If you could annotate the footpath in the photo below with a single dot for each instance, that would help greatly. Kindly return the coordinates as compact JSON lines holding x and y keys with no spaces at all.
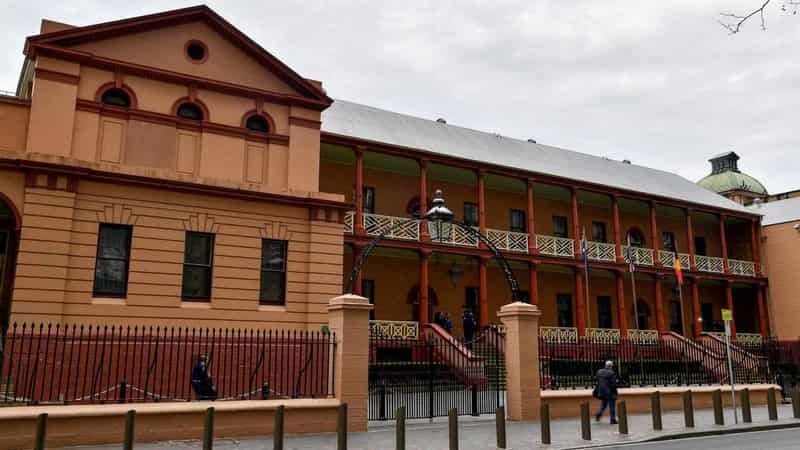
{"x":478,"y":433}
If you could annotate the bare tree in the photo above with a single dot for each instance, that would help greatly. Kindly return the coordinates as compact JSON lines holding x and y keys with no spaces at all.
{"x":733,"y":22}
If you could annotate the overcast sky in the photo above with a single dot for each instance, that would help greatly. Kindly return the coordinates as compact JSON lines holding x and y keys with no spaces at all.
{"x":662,"y":85}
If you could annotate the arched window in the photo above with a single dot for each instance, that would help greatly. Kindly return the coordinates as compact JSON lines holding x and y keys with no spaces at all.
{"x":257,"y":123}
{"x":116,"y":97}
{"x":190,"y":111}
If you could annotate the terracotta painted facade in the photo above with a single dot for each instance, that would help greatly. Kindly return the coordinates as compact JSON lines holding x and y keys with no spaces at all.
{"x":781,"y":247}
{"x":70,"y":160}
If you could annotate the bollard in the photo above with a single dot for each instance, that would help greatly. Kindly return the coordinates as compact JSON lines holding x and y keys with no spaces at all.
{"x":341,"y":428}
{"x":622,"y":412}
{"x":747,"y":414}
{"x":277,"y":432}
{"x":586,"y":426}
{"x":655,"y":408}
{"x":208,"y":430}
{"x":500,"y":424}
{"x":545,"y":423}
{"x":796,"y":402}
{"x":772,"y":404}
{"x":688,"y":410}
{"x":452,"y":420}
{"x":400,"y":428}
{"x":130,"y":418}
{"x":719,"y":418}
{"x":41,"y":431}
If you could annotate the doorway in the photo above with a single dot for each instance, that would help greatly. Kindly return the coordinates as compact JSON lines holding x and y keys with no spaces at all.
{"x":9,"y":229}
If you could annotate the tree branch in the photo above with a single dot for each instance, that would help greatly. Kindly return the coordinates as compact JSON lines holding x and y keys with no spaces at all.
{"x":736,"y":25}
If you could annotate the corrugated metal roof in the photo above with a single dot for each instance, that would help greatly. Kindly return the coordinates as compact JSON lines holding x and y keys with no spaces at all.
{"x":365,"y":122}
{"x":780,"y":211}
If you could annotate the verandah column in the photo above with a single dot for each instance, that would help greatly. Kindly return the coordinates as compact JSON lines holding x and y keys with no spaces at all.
{"x":690,"y":239}
{"x":762,"y":311}
{"x":358,"y":226}
{"x":533,"y":281}
{"x":483,"y":294}
{"x":654,"y":234}
{"x":423,"y":198}
{"x":576,"y":230}
{"x":622,"y":315}
{"x":729,"y":305}
{"x":481,"y":205}
{"x":697,"y":325}
{"x":531,"y":221}
{"x":724,"y":243}
{"x":617,"y":231}
{"x":659,"y":305}
{"x":580,"y":305}
{"x":754,"y":246}
{"x":424,"y":305}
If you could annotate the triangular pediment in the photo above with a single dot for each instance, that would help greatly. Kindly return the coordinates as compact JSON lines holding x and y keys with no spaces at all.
{"x":159,"y":41}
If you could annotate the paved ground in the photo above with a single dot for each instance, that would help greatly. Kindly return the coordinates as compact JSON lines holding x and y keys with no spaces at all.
{"x":479,"y":434}
{"x":774,"y":440}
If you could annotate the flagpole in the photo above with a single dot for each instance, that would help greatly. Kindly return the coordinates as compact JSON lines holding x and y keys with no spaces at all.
{"x":631,"y":263}
{"x":680,"y":293}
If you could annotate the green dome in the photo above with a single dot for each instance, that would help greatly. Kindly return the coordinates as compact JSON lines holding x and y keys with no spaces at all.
{"x":732,"y":181}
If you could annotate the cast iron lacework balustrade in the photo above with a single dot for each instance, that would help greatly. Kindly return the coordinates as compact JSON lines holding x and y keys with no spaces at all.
{"x":349,"y":218}
{"x":641,"y":256}
{"x":508,"y":240}
{"x":559,"y":335}
{"x":749,"y":339}
{"x":603,"y":335}
{"x":555,"y":246}
{"x":709,"y":264}
{"x":643,"y":337}
{"x":600,"y":251}
{"x":393,"y":329}
{"x":668,"y":259}
{"x":743,"y":268}
{"x":449,"y":233}
{"x":401,"y":228}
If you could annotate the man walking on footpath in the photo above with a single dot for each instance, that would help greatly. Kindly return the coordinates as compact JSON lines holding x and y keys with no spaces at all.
{"x":606,"y":392}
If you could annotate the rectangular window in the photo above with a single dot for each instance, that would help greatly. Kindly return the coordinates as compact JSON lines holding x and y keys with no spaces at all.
{"x":604,"y":312}
{"x":111,"y":264}
{"x":368,"y":292}
{"x":599,"y":232}
{"x":273,"y":272}
{"x":517,"y":221}
{"x":198,"y":259}
{"x":560,"y":226}
{"x":564,"y":305}
{"x":471,"y":214}
{"x":368,"y":199}
{"x":668,"y":239}
{"x":700,"y":246}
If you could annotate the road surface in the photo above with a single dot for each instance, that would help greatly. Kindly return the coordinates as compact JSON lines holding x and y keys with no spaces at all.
{"x":772,"y":440}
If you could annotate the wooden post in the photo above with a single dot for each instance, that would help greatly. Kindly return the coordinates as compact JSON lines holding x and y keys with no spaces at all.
{"x":481,"y":206}
{"x":128,"y":438}
{"x":452,"y":420}
{"x":747,"y":414}
{"x":772,"y":404}
{"x":688,"y":409}
{"x":719,"y":418}
{"x":41,"y":431}
{"x":724,"y":243}
{"x":277,"y":432}
{"x":500,"y":425}
{"x":533,"y":281}
{"x":358,"y":219}
{"x":531,"y":221}
{"x":208,"y":429}
{"x":622,"y":413}
{"x":655,"y":407}
{"x":545,"y":423}
{"x":423,"y":199}
{"x":341,"y":428}
{"x":400,"y":428}
{"x":576,"y":226}
{"x":586,"y":425}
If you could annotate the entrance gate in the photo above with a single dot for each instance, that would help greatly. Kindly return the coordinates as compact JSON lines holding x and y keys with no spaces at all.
{"x":433,"y":372}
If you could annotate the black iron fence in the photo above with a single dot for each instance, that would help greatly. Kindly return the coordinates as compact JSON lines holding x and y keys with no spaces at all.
{"x":434,"y":373}
{"x":97,"y":364}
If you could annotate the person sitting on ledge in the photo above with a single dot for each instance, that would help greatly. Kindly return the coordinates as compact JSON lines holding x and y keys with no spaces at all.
{"x":203,"y":387}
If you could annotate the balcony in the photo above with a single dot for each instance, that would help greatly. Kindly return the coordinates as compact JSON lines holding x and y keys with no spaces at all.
{"x":742,"y":268}
{"x":397,"y":227}
{"x":349,"y":218}
{"x":709,"y":264}
{"x":667,"y":259}
{"x":447,"y":233}
{"x":641,"y":256}
{"x":601,"y":251}
{"x":555,"y":246}
{"x":511,"y":241}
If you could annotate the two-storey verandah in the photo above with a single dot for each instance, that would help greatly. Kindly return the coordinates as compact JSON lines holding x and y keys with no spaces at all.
{"x":537,"y":221}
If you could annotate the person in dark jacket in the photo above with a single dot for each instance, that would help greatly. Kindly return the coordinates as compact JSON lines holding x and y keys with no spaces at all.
{"x":469,"y":327}
{"x":606,"y":391}
{"x":202,"y":384}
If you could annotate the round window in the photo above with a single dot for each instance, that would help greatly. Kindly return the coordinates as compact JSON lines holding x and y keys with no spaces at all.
{"x":196,"y":51}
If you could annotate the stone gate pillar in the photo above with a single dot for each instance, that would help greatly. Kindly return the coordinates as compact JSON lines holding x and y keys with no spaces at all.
{"x":522,"y":360}
{"x":348,"y":317}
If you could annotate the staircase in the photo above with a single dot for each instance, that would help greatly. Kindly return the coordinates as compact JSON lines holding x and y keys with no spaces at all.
{"x":747,"y":367}
{"x":709,"y":359}
{"x":490,"y":348}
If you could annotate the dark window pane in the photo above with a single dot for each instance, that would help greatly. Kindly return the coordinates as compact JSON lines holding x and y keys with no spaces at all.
{"x":604,"y":319}
{"x":257,"y":123}
{"x":599,"y":232}
{"x":273,"y":288}
{"x":368,"y":200}
{"x":116,"y":97}
{"x":196,"y":282}
{"x":518,"y":220}
{"x":3,"y":242}
{"x":111,"y":264}
{"x":113,"y":242}
{"x":273,"y":271}
{"x":564,"y":305}
{"x":668,"y":239}
{"x":198,"y":249}
{"x":190,"y":111}
{"x":471,"y":214}
{"x":560,"y":226}
{"x":700,"y":246}
{"x":110,"y":276}
{"x":273,"y":255}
